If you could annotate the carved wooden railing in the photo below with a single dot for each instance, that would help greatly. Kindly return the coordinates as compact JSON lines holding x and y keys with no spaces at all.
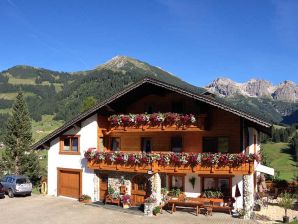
{"x":199,"y":124}
{"x":241,"y":168}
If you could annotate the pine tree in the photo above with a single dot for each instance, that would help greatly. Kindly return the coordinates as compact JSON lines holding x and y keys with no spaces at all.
{"x":18,"y":157}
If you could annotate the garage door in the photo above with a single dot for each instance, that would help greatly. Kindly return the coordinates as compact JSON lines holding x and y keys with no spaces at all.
{"x":69,"y":182}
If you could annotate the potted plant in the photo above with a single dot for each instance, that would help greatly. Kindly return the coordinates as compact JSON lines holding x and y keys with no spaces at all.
{"x":126,"y":200}
{"x":84,"y":198}
{"x":257,"y":206}
{"x":156,"y":210}
{"x":149,"y":204}
{"x":286,"y":202}
{"x":174,"y":193}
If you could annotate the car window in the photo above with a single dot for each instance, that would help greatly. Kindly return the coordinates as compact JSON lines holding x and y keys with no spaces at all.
{"x":22,"y":181}
{"x":11,"y":180}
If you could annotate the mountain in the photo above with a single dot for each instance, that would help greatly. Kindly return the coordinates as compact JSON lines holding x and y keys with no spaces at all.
{"x":62,"y":94}
{"x":109,"y":78}
{"x":279,"y":103}
{"x":286,"y":91}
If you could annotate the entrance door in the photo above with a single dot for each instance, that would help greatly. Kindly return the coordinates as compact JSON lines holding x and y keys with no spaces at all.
{"x":103,"y":187}
{"x":139,"y":189}
{"x":69,"y":182}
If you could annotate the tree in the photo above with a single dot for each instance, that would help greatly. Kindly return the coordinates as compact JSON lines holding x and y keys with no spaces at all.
{"x":88,"y":103}
{"x":18,"y":157}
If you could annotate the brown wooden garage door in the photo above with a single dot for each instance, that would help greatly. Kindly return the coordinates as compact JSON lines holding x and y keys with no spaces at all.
{"x":69,"y":182}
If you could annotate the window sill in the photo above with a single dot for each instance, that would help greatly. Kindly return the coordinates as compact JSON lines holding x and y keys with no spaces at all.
{"x":69,"y":153}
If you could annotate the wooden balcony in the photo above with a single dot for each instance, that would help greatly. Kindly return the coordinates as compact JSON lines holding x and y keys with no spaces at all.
{"x":154,"y":167}
{"x":199,"y":125}
{"x":246,"y":168}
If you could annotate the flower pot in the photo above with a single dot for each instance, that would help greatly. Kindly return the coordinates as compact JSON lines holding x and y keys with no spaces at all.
{"x":148,"y":209}
{"x":286,"y":219}
{"x":125,"y":206}
{"x":257,"y":207}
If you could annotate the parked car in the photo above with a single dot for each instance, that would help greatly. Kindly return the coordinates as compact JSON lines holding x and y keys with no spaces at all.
{"x":16,"y":185}
{"x":2,"y":192}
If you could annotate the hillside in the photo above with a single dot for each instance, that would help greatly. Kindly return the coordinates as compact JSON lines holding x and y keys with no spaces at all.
{"x":60,"y":95}
{"x":110,"y":78}
{"x":281,"y":159}
{"x":41,"y":88}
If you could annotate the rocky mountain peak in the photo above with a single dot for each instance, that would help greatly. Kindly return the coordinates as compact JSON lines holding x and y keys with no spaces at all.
{"x":285,"y":91}
{"x":223,"y":86}
{"x":257,"y":87}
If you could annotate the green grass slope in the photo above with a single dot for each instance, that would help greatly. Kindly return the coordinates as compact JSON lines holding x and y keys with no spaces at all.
{"x":281,"y":159}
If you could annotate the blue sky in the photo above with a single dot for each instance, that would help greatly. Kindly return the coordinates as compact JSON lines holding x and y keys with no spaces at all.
{"x":195,"y":40}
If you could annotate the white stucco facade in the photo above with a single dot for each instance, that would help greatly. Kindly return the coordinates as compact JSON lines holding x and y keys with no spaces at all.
{"x":88,"y":138}
{"x":88,"y":132}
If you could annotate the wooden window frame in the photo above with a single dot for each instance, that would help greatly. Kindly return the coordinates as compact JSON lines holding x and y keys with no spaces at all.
{"x":170,"y":177}
{"x":216,"y":179}
{"x":110,"y":143}
{"x":141,"y":142}
{"x":176,"y":136}
{"x":178,"y":102}
{"x":217,"y":137}
{"x":70,"y":152}
{"x":59,"y":169}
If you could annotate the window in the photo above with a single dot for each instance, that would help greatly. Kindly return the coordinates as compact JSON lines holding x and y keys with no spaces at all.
{"x":115,"y":144}
{"x":70,"y":145}
{"x":176,"y":182}
{"x":177,"y":107}
{"x":146,"y":145}
{"x":222,"y":184}
{"x":216,"y":144}
{"x":176,"y":144}
{"x":150,"y":108}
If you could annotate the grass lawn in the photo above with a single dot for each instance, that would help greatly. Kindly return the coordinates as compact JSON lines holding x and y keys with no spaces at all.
{"x":281,"y":159}
{"x":19,"y":81}
{"x":12,"y":96}
{"x":42,"y":128}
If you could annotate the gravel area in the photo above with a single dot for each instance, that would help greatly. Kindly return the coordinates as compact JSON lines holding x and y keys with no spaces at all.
{"x":49,"y":210}
{"x":273,"y":213}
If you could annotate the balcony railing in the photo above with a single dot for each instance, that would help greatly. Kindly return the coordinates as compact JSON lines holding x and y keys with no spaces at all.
{"x":180,"y":163}
{"x":157,"y":122}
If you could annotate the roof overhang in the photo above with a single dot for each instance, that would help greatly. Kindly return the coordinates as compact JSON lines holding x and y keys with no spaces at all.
{"x":206,"y":98}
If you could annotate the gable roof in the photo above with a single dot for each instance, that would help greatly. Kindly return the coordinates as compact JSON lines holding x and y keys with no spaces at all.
{"x":203,"y":96}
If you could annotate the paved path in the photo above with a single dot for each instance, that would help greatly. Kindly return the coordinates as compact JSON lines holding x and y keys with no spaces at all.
{"x":52,"y":210}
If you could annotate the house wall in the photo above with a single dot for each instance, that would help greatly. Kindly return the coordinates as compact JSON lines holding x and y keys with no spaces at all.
{"x":221,"y":124}
{"x":191,"y":191}
{"x":88,"y":138}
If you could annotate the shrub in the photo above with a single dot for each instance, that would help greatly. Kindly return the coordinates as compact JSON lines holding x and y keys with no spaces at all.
{"x":156,"y":210}
{"x":286,"y":201}
{"x":84,"y":197}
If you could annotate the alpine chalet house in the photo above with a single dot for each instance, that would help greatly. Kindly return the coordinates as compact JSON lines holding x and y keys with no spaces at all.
{"x":155,"y":135}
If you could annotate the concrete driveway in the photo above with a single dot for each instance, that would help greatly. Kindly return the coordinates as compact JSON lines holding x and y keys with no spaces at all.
{"x":52,"y":210}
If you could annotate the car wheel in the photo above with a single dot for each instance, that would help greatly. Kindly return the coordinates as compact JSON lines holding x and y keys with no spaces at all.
{"x":10,"y":193}
{"x":29,"y":194}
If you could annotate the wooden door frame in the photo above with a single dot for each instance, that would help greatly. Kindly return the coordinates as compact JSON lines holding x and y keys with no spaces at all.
{"x":59,"y":169}
{"x":133,"y":183}
{"x":100,"y":179}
